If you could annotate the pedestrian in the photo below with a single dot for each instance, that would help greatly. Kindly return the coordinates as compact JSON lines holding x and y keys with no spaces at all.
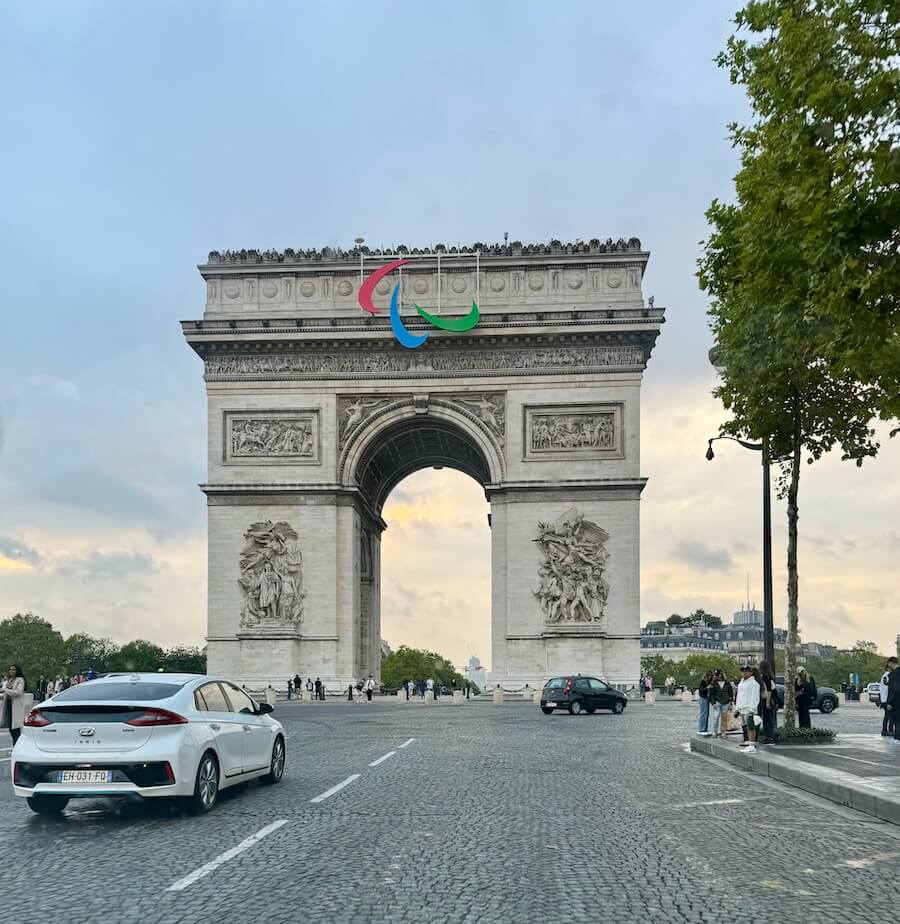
{"x":309,"y":686}
{"x":703,"y":699}
{"x":747,"y":705}
{"x":290,"y":688}
{"x":358,"y":691}
{"x":298,"y":685}
{"x":406,"y":687}
{"x":318,"y":688}
{"x":12,"y":707}
{"x":893,"y":702}
{"x":51,"y":689}
{"x":769,"y":702}
{"x":720,"y":697}
{"x":370,"y":688}
{"x":887,"y":724}
{"x":91,"y":674}
{"x":806,"y":694}
{"x":429,"y":686}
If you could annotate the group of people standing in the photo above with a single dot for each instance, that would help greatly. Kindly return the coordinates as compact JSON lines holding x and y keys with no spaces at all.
{"x":419,"y":688}
{"x":752,"y":703}
{"x":889,"y":696}
{"x":315,"y":687}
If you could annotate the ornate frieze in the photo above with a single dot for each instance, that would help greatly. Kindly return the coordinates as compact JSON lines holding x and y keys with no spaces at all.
{"x":271,"y":580}
{"x":572,"y":586}
{"x":446,"y":362}
{"x":271,"y":437}
{"x":571,"y":431}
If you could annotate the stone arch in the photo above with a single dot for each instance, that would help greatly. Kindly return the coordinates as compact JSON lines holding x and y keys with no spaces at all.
{"x":408,"y":435}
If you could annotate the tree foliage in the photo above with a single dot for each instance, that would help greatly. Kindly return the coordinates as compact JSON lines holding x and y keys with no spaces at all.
{"x":33,"y":643}
{"x":417,"y":664}
{"x":687,"y":673}
{"x":802,"y":268}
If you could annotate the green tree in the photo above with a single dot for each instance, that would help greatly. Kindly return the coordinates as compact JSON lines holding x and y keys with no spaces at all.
{"x":183,"y":660}
{"x":417,"y":664}
{"x":768,"y":253}
{"x":33,"y":644}
{"x":675,"y":620}
{"x":83,"y":651}
{"x":138,"y":655}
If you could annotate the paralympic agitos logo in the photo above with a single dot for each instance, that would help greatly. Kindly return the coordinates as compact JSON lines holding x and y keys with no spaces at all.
{"x":404,"y":337}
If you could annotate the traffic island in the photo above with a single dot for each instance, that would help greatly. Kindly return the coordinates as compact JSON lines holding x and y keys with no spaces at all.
{"x":859,"y":771}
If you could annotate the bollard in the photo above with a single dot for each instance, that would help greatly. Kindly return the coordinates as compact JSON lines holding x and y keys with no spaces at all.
{"x":271,"y":697}
{"x":498,"y":696}
{"x":429,"y":696}
{"x":686,"y":697}
{"x":842,"y":698}
{"x":650,"y":697}
{"x":401,"y":696}
{"x":307,"y":696}
{"x":457,"y":698}
{"x":536,"y":697}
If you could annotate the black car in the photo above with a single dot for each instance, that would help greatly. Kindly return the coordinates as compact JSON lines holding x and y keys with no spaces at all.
{"x":581,"y":694}
{"x":826,"y":701}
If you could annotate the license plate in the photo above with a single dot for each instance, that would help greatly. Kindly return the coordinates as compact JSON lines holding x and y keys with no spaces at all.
{"x":84,"y":776}
{"x":548,"y":705}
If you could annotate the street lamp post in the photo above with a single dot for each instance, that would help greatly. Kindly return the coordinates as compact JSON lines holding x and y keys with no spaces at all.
{"x":763,"y":447}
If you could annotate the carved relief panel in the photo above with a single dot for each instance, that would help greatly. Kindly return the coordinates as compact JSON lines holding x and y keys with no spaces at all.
{"x":573,"y":431}
{"x":271,"y":437}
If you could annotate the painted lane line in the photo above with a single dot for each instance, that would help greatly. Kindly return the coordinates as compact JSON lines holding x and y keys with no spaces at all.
{"x":207,"y":868}
{"x":859,"y":760}
{"x":407,"y":743}
{"x":710,"y":802}
{"x":382,"y":759}
{"x":330,"y":792}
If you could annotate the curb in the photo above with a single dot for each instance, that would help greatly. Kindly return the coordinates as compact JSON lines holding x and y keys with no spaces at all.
{"x":864,"y":795}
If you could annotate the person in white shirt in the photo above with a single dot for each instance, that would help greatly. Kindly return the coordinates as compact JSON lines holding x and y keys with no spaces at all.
{"x":370,"y":688}
{"x":747,"y":705}
{"x":887,"y":724}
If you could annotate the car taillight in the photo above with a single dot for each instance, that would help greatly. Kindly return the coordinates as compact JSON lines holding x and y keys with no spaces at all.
{"x":16,"y":774}
{"x":169,"y":775}
{"x":154,"y":717}
{"x":37,"y":719}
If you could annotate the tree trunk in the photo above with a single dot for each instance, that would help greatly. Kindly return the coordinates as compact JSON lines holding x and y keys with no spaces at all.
{"x":790,"y":660}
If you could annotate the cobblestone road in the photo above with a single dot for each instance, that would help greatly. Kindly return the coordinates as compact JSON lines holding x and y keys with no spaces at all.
{"x":492,"y":814}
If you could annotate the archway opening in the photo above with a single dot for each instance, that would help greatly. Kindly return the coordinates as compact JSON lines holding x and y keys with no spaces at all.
{"x":436,"y":567}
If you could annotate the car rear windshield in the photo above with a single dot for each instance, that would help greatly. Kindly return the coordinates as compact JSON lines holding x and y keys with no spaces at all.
{"x":556,"y":682}
{"x":117,"y":691}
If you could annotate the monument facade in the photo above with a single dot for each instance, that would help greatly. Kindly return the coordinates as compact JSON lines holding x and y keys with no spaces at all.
{"x":316,"y":412}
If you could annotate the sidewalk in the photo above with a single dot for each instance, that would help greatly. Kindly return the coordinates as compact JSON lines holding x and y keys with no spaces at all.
{"x":862,"y":771}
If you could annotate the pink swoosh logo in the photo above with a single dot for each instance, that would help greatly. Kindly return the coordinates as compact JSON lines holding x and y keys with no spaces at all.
{"x":367,"y":289}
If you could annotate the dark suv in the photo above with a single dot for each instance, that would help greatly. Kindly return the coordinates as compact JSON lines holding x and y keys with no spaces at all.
{"x":581,"y":694}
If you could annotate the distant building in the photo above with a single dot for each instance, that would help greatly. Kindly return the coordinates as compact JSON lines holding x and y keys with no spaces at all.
{"x":817,"y":650}
{"x":749,"y":616}
{"x":476,"y":672}
{"x":678,"y":642}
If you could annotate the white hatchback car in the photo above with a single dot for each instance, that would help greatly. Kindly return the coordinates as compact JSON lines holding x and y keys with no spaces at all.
{"x":150,"y":735}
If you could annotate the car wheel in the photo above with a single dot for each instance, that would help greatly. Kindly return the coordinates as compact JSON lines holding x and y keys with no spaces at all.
{"x":276,"y":767}
{"x":575,"y":708}
{"x":206,"y":787}
{"x":618,"y":707}
{"x":47,"y":805}
{"x":546,"y":711}
{"x":827,"y":705}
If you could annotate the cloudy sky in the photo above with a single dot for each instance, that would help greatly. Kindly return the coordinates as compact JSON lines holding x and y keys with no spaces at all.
{"x":140,"y":136}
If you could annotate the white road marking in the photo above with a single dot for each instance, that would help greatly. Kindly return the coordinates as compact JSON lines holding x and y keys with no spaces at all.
{"x":330,"y":792}
{"x":207,"y":868}
{"x":711,"y":802}
{"x":859,"y":760}
{"x":382,"y":759}
{"x":407,"y":743}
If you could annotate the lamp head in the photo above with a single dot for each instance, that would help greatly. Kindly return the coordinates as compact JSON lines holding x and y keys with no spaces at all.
{"x":710,"y":455}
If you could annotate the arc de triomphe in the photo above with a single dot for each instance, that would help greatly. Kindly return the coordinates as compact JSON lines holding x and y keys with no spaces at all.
{"x":316,"y":412}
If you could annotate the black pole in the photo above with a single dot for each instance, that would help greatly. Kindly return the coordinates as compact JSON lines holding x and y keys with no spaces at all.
{"x":769,"y":627}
